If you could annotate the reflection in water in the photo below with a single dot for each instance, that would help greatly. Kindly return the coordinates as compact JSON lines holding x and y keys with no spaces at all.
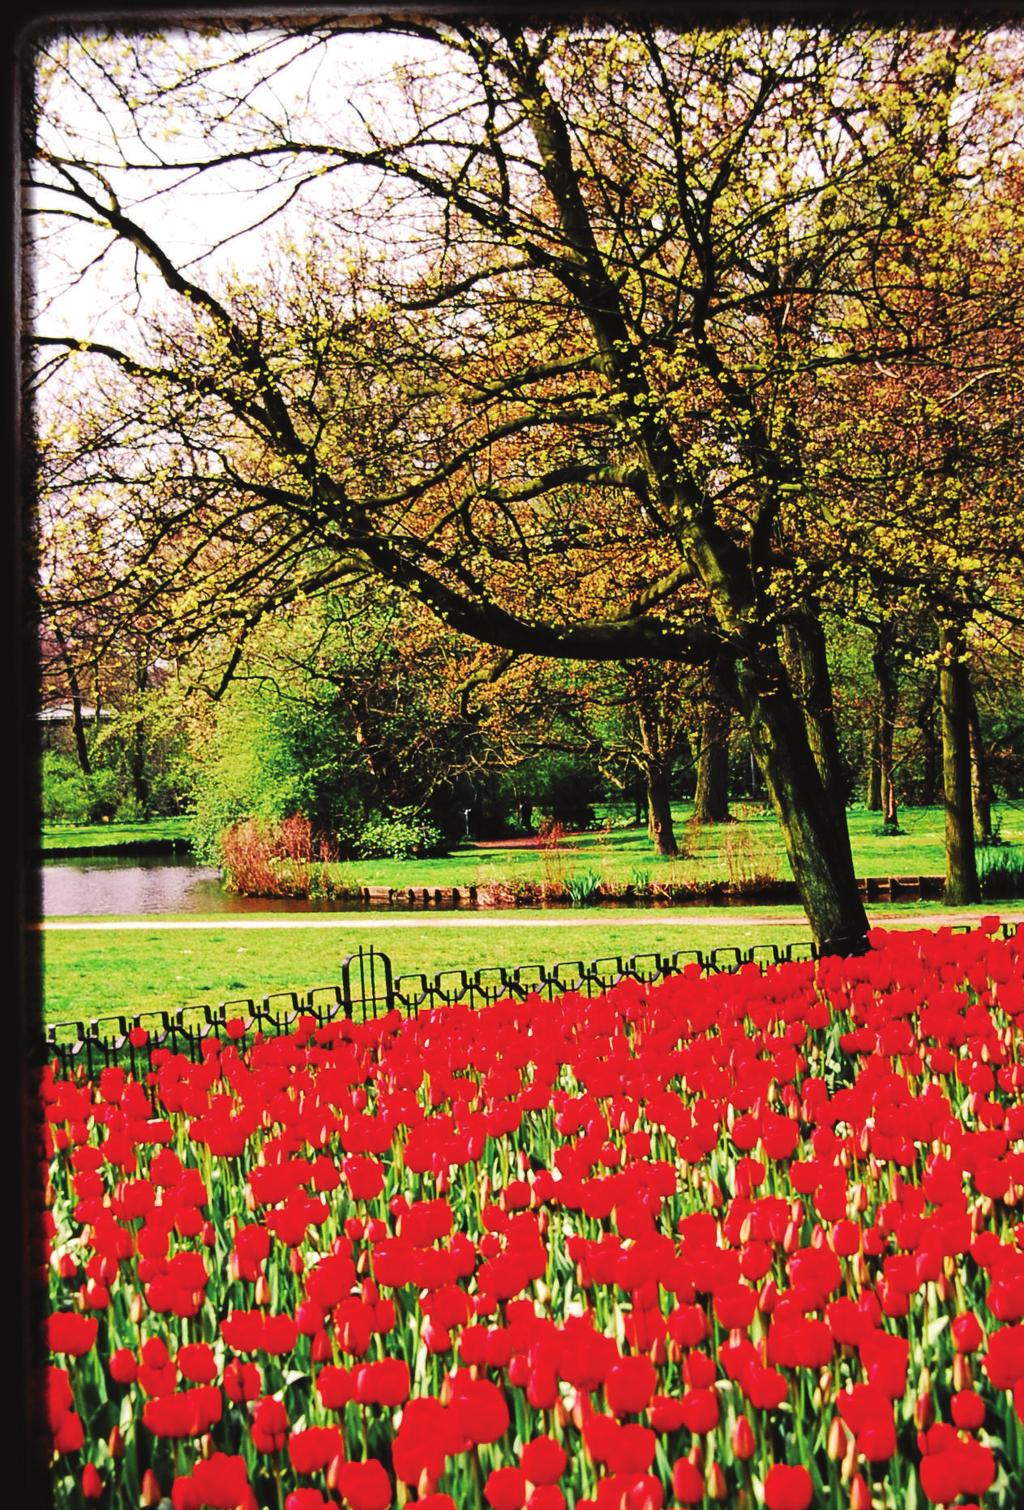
{"x":106,"y":884}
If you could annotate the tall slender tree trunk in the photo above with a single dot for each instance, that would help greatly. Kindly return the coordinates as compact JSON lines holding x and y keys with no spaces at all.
{"x":981,"y":791}
{"x":818,"y":847}
{"x":954,"y":710}
{"x":77,"y":716}
{"x":926,"y":723}
{"x":138,"y":765}
{"x":874,"y":792}
{"x":655,"y":767}
{"x":888,"y":687}
{"x":711,"y":796}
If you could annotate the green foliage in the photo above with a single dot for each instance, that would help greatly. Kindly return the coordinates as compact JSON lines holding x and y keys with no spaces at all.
{"x":403,"y":834}
{"x":562,"y":787}
{"x":269,"y":758}
{"x":1001,"y":874}
{"x":69,"y":796}
{"x":583,"y":888}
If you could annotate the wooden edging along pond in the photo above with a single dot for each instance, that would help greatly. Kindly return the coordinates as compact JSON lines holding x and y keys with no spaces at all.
{"x":873,"y":888}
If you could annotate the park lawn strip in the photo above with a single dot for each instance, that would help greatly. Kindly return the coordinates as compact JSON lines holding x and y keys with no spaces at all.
{"x":751,"y":846}
{"x":115,"y":836}
{"x":124,"y":971}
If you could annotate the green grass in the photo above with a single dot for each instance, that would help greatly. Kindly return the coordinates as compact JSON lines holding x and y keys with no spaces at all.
{"x":58,"y":836}
{"x":120,"y":970}
{"x":719,"y":853}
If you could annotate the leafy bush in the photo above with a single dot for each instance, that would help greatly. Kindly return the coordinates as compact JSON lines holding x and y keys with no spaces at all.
{"x":403,"y":834}
{"x":69,"y":796}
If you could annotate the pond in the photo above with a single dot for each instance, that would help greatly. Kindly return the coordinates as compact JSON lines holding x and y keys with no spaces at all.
{"x":100,"y":885}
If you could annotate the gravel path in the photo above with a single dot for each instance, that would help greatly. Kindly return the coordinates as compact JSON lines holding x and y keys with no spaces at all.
{"x":656,"y":919}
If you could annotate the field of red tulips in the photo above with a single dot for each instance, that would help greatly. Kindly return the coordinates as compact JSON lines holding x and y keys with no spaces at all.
{"x":747,"y":1239}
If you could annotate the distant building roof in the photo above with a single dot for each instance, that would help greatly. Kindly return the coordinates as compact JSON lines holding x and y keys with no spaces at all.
{"x":63,"y":713}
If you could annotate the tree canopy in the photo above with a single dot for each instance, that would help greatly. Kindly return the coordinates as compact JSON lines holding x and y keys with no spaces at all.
{"x":602,"y":343}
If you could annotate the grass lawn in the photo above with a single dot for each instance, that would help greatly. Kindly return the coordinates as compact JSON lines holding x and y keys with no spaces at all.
{"x":128,"y":970}
{"x":725,"y":852}
{"x":60,"y":836}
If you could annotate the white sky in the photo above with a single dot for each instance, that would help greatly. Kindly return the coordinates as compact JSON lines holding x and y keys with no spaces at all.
{"x":322,"y":89}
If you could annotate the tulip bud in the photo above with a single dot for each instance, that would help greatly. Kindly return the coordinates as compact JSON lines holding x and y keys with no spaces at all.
{"x":943,"y":1289}
{"x":860,"y":1494}
{"x":791,"y":1239}
{"x":963,"y":1376}
{"x":296,"y":1262}
{"x":334,"y":1468}
{"x":717,"y":1488}
{"x":861,"y":1273}
{"x":837,"y":1441}
{"x":924,"y":1410}
{"x":849,"y":1463}
{"x":92,"y":1484}
{"x":262,"y":1292}
{"x":425,"y":1484}
{"x":151,"y":1493}
{"x":744,"y":1443}
{"x":696,"y":1456}
{"x":115,"y":1443}
{"x":136,"y":1309}
{"x":206,"y":1447}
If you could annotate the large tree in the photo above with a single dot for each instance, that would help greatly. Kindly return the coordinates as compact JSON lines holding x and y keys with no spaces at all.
{"x":548,"y":357}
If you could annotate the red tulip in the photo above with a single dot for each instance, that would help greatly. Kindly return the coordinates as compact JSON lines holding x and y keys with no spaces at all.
{"x":788,"y":1488}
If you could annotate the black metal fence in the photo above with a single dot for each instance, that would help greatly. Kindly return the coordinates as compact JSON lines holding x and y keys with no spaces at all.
{"x":369,"y":988}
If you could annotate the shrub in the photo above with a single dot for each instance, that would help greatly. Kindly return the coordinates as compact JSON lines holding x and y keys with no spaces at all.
{"x":285,"y":859}
{"x":402,"y":834}
{"x":69,"y":796}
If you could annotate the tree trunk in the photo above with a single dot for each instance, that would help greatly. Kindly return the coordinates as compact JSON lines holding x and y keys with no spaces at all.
{"x":874,"y":794}
{"x":930,"y":774}
{"x":806,"y":642}
{"x":818,"y":847}
{"x":888,"y":687}
{"x":77,"y":720}
{"x":954,"y":705}
{"x":659,"y":810}
{"x":981,"y":791}
{"x":711,"y":796}
{"x":656,"y":766}
{"x":138,"y":771}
